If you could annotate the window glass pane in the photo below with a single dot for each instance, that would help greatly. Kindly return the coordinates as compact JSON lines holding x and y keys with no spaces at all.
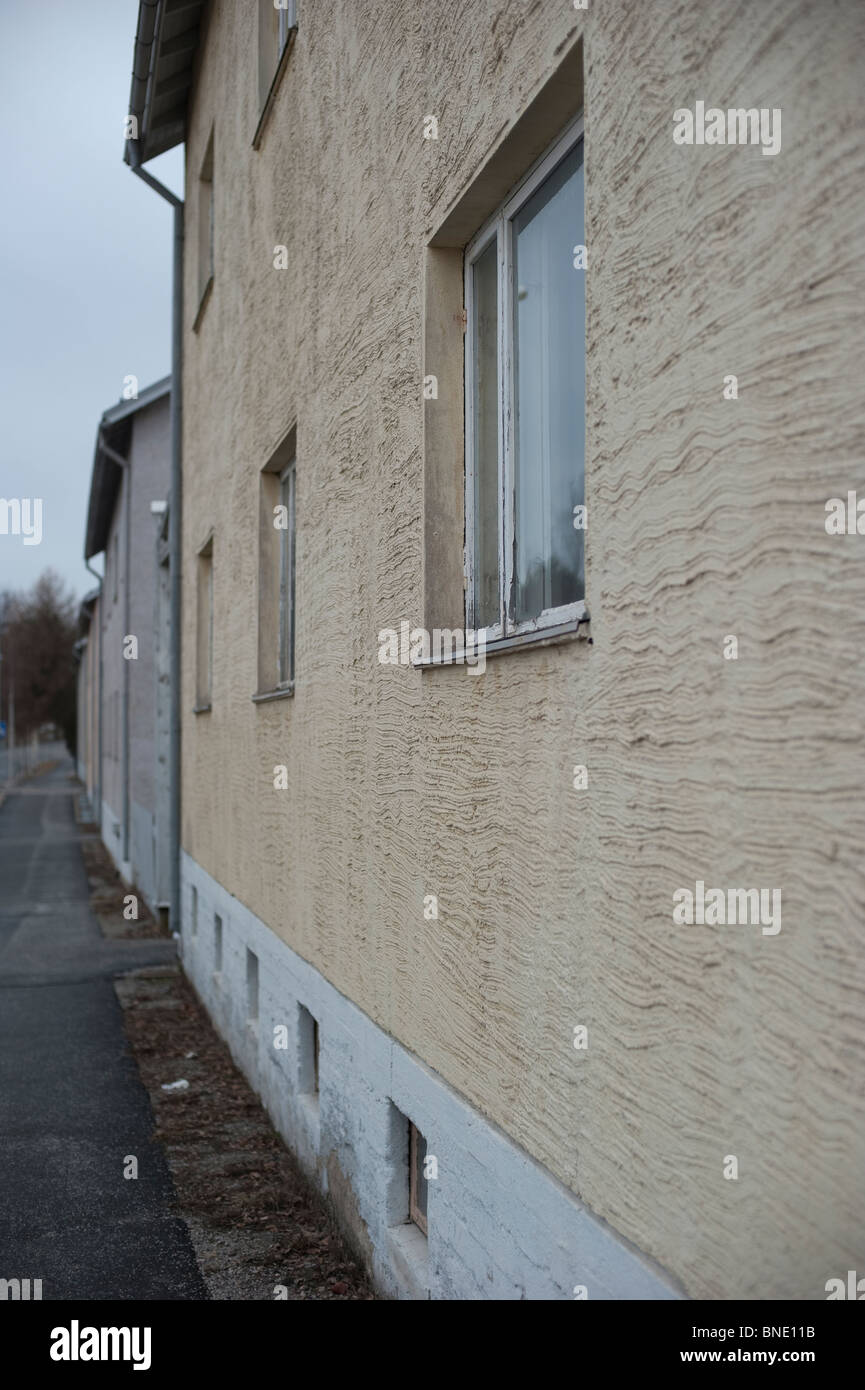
{"x":210,"y":627}
{"x":485,"y":447}
{"x":286,"y":580}
{"x":549,"y":390}
{"x":420,"y":1182}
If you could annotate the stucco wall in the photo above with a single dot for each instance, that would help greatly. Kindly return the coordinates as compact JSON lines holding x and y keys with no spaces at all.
{"x":706,"y":519}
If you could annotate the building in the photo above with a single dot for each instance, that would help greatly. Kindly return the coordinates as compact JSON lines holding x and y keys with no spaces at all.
{"x":87,"y":703}
{"x":125,"y":670}
{"x":471,"y":341}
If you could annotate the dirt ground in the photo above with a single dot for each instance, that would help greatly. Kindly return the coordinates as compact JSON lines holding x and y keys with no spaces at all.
{"x":259,"y":1229}
{"x":108,"y":893}
{"x":255,"y":1221}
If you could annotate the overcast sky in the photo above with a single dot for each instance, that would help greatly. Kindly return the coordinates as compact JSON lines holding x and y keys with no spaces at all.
{"x":85,"y":264}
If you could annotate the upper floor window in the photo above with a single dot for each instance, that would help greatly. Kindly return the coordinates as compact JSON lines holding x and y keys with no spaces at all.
{"x":277,"y":20}
{"x":276,"y":570}
{"x":205,"y":228}
{"x":285,"y":522}
{"x":204,"y":628}
{"x":525,"y":403}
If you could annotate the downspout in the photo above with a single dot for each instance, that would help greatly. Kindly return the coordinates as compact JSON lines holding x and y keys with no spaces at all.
{"x":98,"y":807}
{"x":174,"y":524}
{"x":127,"y":623}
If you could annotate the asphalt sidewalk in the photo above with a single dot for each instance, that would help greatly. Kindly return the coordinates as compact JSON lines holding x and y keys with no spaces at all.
{"x":73,"y":1109}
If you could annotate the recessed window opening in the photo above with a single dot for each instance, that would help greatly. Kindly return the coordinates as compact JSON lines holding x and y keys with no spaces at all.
{"x":308,"y":1052}
{"x":418,"y":1181}
{"x":251,"y":986}
{"x":525,"y":403}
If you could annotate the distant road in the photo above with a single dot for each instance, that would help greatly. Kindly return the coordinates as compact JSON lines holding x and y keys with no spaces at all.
{"x":29,"y":758}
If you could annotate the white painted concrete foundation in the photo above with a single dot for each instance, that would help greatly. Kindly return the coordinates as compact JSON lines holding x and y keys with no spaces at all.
{"x":500,"y":1226}
{"x":112,"y":837}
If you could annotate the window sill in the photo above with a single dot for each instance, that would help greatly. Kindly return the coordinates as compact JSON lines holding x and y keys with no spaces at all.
{"x":545,"y":637}
{"x":202,"y":709}
{"x":265,"y":697}
{"x":310,"y":1113}
{"x":409,"y":1250}
{"x":202,"y":304}
{"x":274,"y":87}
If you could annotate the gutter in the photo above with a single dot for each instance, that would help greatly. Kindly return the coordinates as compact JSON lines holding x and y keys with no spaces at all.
{"x":133,"y":157}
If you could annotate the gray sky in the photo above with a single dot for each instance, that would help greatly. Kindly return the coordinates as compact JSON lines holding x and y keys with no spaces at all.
{"x":85,"y":264}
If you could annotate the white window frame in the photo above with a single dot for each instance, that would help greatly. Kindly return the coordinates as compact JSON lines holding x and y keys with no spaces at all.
{"x":287,"y":22}
{"x":285,"y":624}
{"x":500,"y":227}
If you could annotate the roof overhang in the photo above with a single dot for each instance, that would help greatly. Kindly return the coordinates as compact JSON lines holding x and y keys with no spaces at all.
{"x":166,"y":42}
{"x":115,"y":431}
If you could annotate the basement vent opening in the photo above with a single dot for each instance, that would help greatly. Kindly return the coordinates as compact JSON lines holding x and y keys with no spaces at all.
{"x":417,"y":1158}
{"x":251,"y":986}
{"x":308,"y":1052}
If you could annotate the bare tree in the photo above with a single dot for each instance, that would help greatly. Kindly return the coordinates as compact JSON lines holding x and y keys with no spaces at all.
{"x":38,"y":631}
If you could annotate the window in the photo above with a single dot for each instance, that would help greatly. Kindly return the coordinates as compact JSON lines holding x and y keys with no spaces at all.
{"x":205,"y":225}
{"x":277,"y":20}
{"x":204,"y":651}
{"x":525,"y":404}
{"x":307,"y":1053}
{"x":285,"y":531}
{"x":417,"y":1202}
{"x":251,"y":986}
{"x":217,"y":943}
{"x":276,"y":599}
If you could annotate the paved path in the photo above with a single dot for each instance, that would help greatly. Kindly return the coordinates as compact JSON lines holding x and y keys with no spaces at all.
{"x":72,"y":1106}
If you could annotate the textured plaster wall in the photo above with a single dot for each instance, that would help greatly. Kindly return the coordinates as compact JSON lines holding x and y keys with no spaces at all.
{"x":706,"y":519}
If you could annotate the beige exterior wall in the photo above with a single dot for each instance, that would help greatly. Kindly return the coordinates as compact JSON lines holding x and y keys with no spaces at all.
{"x":706,"y":518}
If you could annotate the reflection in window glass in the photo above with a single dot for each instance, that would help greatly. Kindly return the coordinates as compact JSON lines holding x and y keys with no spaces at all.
{"x":486,"y":437}
{"x":549,"y":390}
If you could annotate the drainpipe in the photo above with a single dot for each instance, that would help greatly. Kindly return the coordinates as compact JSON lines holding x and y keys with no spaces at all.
{"x":127,"y":622}
{"x":174,"y":522}
{"x":99,"y":699}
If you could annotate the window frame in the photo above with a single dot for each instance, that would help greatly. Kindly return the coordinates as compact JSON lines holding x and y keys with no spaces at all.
{"x":287,"y":22}
{"x":499,"y":228}
{"x":204,"y":599}
{"x":286,"y":615}
{"x":206,"y":229}
{"x":275,"y":41}
{"x":416,"y":1216}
